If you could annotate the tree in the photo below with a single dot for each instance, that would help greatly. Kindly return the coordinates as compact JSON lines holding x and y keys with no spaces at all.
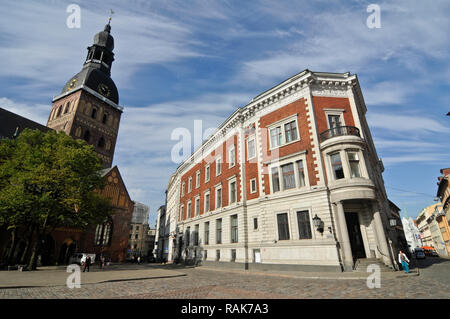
{"x":49,"y":180}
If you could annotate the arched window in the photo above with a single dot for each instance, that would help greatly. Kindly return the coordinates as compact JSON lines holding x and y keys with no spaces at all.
{"x":87,"y":136}
{"x":105,"y":118}
{"x":67,"y":108}
{"x":103,"y":233}
{"x":101,"y":142}
{"x":94,"y":113}
{"x":59,"y":111}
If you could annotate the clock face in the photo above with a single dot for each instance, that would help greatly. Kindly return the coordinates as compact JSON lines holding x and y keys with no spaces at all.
{"x":72,"y":83}
{"x":104,"y":89}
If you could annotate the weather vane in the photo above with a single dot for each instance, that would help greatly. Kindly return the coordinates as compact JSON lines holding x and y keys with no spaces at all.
{"x":111,"y":12}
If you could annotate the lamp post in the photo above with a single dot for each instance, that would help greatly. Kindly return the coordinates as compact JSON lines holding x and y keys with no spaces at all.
{"x":318,"y":223}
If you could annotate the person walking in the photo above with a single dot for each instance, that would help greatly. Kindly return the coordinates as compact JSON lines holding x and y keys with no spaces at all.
{"x":404,"y":261}
{"x":87,"y":263}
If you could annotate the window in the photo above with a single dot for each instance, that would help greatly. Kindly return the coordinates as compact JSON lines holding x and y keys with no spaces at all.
{"x":218,"y":166}
{"x":255,"y":223}
{"x":181,"y":212}
{"x":197,"y":206}
{"x":105,"y":118}
{"x":353,"y":160}
{"x":207,"y":202}
{"x":94,"y":113}
{"x":301,"y":173}
{"x":197,"y":179}
{"x":290,"y":131}
{"x":253,"y":186}
{"x":336,"y":164}
{"x":218,"y":197}
{"x":188,"y":236}
{"x":137,"y":227}
{"x":232,"y":156}
{"x":275,"y":137}
{"x":233,"y":255}
{"x":283,"y":226}
{"x":232,"y":192}
{"x":304,"y":225}
{"x":103,"y":233}
{"x":188,"y":213}
{"x":190,"y":184}
{"x":288,"y":176}
{"x":196,"y":235}
{"x":136,"y":236}
{"x":334,"y":120}
{"x":87,"y":136}
{"x":217,"y":254}
{"x":59,"y":111}
{"x":275,"y":179}
{"x":207,"y":173}
{"x":219,"y":231}
{"x":182,"y":189}
{"x":101,"y":142}
{"x":66,"y":110}
{"x":251,"y":149}
{"x":234,"y":229}
{"x":206,"y":239}
{"x":283,"y":133}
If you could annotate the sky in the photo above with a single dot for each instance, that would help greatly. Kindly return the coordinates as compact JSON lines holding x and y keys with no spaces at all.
{"x":181,"y":61}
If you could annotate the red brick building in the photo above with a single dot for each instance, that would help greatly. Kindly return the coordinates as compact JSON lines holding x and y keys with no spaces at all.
{"x":291,"y":180}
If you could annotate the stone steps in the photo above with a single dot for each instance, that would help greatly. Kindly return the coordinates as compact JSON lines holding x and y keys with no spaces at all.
{"x":362,"y":265}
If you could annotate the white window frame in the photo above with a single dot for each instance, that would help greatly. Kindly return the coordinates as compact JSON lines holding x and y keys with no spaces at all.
{"x":311,"y":223}
{"x":190,"y":184}
{"x":232,"y":159}
{"x":292,"y":160}
{"x":281,"y":124}
{"x":215,"y":197}
{"x":339,"y":112}
{"x":197,"y":207}
{"x":253,"y":191}
{"x":181,"y":213}
{"x":230,"y":181}
{"x":207,"y":208}
{"x":188,"y":209}
{"x":183,"y":189}
{"x":251,"y":138}
{"x":197,"y":179}
{"x":207,"y":175}
{"x":219,"y":161}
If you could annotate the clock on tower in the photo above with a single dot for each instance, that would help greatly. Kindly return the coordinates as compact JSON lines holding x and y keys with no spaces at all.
{"x":88,"y":105}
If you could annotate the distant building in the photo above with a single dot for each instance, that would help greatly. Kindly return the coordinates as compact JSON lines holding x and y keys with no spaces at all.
{"x":139,"y":241}
{"x":443,"y":217}
{"x":430,"y":230}
{"x":412,"y":233}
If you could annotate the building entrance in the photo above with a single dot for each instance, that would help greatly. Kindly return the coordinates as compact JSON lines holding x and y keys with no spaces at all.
{"x":354,"y":233}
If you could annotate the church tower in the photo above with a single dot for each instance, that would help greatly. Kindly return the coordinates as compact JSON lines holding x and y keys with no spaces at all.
{"x":88,"y":105}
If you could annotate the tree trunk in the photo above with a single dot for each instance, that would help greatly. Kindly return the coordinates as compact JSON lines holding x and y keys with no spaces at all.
{"x":23,"y":258}
{"x":12,"y":248}
{"x":33,"y":258}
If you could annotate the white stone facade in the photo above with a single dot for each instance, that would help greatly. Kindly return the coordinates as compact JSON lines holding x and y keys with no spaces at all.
{"x":291,"y":122}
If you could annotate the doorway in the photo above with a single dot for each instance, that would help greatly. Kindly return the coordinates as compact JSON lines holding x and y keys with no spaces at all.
{"x":354,"y":233}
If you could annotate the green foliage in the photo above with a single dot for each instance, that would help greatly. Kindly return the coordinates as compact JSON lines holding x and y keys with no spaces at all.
{"x":48,"y":180}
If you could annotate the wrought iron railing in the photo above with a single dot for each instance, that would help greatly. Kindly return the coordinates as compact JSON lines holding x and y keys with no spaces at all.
{"x":339,"y":131}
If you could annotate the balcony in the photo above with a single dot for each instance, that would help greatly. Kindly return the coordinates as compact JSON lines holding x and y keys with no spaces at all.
{"x":339,"y":131}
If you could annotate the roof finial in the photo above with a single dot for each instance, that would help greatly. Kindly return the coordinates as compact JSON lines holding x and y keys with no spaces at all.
{"x":108,"y":26}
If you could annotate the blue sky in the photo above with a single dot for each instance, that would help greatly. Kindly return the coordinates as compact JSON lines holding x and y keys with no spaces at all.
{"x":180,"y":61}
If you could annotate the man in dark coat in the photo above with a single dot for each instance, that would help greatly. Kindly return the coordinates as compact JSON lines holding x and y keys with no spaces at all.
{"x":87,"y":263}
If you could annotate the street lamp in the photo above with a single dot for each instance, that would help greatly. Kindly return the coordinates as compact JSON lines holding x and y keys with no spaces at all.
{"x":318,"y":223}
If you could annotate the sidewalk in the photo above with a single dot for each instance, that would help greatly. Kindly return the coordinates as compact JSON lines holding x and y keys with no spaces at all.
{"x":319,"y":275}
{"x":57,"y":276}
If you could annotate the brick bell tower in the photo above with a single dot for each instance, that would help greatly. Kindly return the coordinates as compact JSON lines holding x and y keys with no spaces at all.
{"x":88,"y":105}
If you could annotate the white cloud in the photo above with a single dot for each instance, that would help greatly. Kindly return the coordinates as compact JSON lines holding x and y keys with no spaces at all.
{"x":405,"y":124}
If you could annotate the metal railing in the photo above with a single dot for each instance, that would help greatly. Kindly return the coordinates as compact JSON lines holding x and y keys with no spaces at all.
{"x":339,"y":131}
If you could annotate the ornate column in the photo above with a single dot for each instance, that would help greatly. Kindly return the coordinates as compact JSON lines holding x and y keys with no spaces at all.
{"x":381,"y":236}
{"x":344,"y":238}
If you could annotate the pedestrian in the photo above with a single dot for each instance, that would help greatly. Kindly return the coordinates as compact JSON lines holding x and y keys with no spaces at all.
{"x":139,"y":259}
{"x":87,"y":263}
{"x":103,"y":262}
{"x":404,"y":261}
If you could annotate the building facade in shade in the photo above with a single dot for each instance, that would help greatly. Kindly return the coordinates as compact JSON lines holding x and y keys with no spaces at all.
{"x":139,"y":240}
{"x":412,"y":234}
{"x":429,"y":224}
{"x":443,"y":217}
{"x":290,"y":180}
